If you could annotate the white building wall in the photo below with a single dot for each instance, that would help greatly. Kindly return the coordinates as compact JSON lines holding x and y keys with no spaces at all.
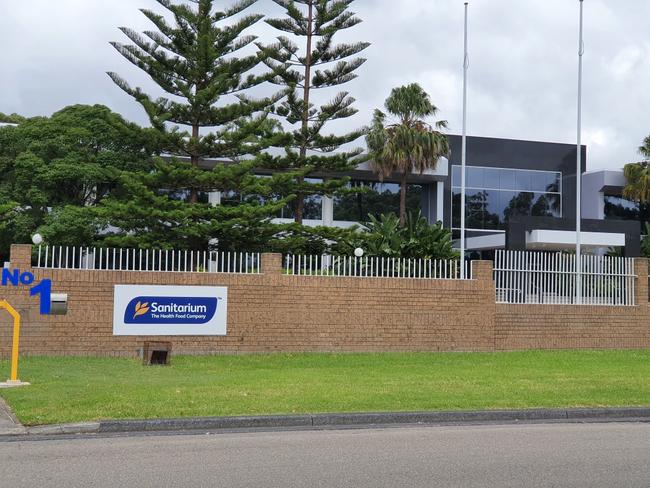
{"x":593,"y":196}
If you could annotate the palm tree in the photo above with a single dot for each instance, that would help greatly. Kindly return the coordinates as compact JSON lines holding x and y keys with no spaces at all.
{"x":409,"y":144}
{"x":637,"y":176}
{"x":645,"y":149}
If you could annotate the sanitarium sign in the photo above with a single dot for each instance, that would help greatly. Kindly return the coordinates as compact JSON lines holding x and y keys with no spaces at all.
{"x":169,"y":310}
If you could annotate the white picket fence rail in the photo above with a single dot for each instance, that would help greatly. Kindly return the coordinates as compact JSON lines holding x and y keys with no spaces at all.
{"x":525,"y":277}
{"x":160,"y":260}
{"x":375,"y":267}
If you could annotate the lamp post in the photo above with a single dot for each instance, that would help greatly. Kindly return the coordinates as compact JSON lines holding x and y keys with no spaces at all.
{"x":581,"y":51}
{"x":463,"y":152}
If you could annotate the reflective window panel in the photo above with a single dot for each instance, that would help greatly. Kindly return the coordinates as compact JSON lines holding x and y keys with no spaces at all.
{"x":374,"y":198}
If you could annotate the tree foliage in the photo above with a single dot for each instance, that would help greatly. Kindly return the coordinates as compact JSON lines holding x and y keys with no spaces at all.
{"x":7,"y":216}
{"x":75,"y":159}
{"x":87,"y":177}
{"x":199,"y":60}
{"x":11,"y":118}
{"x":637,"y":176}
{"x":645,"y":240}
{"x":410,"y":144}
{"x":304,"y":61}
{"x":154,"y":211}
{"x":196,"y":61}
{"x":385,"y":237}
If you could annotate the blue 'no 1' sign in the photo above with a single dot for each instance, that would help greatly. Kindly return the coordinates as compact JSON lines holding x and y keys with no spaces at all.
{"x":13,"y":277}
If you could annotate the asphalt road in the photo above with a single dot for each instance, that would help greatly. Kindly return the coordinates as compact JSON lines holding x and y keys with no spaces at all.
{"x":589,"y":455}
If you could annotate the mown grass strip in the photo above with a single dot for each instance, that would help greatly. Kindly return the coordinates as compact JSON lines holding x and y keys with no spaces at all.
{"x":85,"y":389}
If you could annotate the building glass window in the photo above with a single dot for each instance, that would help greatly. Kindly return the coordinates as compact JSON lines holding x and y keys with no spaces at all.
{"x":491,"y":178}
{"x":507,"y":179}
{"x":183,"y":195}
{"x":523,"y":180}
{"x":313,"y":203}
{"x":313,"y":209}
{"x":313,"y":206}
{"x":231,"y":198}
{"x":495,"y":195}
{"x":374,"y":198}
{"x":619,"y":208}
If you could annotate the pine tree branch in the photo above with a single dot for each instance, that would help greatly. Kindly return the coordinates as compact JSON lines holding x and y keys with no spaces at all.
{"x":233,"y":10}
{"x":325,"y":53}
{"x":344,"y":21}
{"x":342,"y":73}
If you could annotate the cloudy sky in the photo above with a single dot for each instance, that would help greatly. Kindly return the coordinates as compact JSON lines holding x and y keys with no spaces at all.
{"x":523,"y":75}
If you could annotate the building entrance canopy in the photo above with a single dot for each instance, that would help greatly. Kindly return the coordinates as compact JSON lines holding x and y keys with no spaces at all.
{"x":540,"y":239}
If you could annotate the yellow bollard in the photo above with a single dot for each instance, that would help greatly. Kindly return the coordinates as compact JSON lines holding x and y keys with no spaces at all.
{"x":16,"y":342}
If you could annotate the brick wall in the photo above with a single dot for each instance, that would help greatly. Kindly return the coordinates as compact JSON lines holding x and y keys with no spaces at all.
{"x":571,"y":327}
{"x":577,"y":327}
{"x":272,"y":312}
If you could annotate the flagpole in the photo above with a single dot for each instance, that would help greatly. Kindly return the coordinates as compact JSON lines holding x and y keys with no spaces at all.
{"x":463,"y":153}
{"x":581,"y":51}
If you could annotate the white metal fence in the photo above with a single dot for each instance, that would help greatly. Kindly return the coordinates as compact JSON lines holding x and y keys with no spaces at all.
{"x":551,"y":278}
{"x":113,"y":259}
{"x":375,"y":267}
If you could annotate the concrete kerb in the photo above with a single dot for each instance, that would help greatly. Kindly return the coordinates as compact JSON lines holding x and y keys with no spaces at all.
{"x":79,"y":428}
{"x":9,"y":424}
{"x":343,"y":420}
{"x":438,"y":417}
{"x":206,"y":423}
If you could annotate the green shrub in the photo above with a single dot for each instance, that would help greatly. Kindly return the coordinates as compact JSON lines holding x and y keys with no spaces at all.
{"x":384,"y":237}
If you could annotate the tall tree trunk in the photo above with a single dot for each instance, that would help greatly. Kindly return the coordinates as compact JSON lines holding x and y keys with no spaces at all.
{"x":194,"y":194}
{"x":299,"y":206}
{"x":402,"y":200}
{"x":300,"y":202}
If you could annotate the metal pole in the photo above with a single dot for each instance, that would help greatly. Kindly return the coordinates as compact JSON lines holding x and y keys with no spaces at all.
{"x":464,"y":154}
{"x":16,"y":341}
{"x":581,"y":51}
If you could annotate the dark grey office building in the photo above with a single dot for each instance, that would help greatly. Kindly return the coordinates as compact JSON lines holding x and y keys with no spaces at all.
{"x":519,"y":195}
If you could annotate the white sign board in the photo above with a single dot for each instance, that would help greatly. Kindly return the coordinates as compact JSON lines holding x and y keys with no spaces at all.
{"x":145,"y":310}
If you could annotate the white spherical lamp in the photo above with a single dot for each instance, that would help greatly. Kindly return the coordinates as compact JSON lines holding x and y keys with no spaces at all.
{"x":358,"y":252}
{"x":37,"y":239}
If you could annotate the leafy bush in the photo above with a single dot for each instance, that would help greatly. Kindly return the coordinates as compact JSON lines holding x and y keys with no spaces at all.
{"x":298,"y":239}
{"x":418,"y":239}
{"x":645,"y":241}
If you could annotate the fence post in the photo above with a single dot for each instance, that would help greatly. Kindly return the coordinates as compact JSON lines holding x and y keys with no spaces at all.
{"x":271,"y":263}
{"x":21,"y":256}
{"x":641,"y":284}
{"x":482,"y":270}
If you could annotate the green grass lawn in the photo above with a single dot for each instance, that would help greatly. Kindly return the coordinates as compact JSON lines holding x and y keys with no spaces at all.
{"x":82,"y":389}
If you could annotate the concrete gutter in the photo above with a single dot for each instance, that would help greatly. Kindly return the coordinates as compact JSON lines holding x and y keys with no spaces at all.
{"x":323,"y":421}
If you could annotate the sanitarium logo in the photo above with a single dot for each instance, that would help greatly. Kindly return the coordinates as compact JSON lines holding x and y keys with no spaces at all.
{"x":170,"y":310}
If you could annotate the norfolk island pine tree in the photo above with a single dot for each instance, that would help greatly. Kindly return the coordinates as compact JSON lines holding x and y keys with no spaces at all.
{"x":318,"y":63}
{"x":194,"y":61}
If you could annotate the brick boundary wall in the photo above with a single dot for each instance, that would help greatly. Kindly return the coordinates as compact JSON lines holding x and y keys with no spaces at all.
{"x":274,"y":312}
{"x":521,"y":327}
{"x":269,"y":312}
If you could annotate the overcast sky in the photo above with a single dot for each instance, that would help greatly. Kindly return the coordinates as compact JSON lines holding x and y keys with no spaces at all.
{"x":523,"y":73}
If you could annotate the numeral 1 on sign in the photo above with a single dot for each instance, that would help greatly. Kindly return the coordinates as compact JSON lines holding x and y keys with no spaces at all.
{"x":44,"y":291}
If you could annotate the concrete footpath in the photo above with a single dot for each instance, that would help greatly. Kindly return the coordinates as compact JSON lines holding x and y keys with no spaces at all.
{"x":9,"y":426}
